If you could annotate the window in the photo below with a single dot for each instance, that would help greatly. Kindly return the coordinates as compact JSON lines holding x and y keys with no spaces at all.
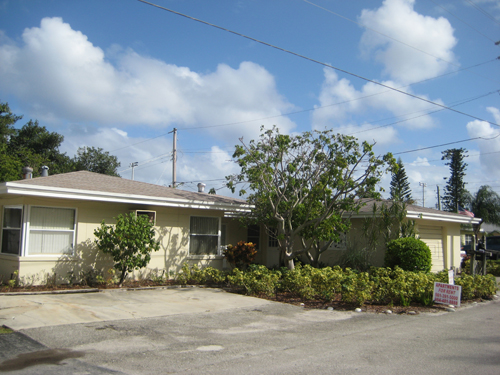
{"x":204,"y":236}
{"x":253,"y":235}
{"x":51,"y":230}
{"x":341,"y":244}
{"x":272,"y":237}
{"x":12,"y":230}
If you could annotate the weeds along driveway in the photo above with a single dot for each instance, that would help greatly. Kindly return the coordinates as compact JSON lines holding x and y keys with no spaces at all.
{"x":43,"y":310}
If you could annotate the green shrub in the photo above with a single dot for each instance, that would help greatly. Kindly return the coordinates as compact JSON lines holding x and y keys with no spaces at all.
{"x":356,"y":287}
{"x":298,"y":281}
{"x":327,"y":282}
{"x":255,"y":280}
{"x":197,"y":276}
{"x":409,"y":253}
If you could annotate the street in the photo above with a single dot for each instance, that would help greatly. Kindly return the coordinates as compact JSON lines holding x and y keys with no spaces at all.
{"x":270,"y":338}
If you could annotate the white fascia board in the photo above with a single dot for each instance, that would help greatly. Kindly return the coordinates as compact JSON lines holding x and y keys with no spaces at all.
{"x":64,"y":193}
{"x":440,"y":217}
{"x":429,"y":216}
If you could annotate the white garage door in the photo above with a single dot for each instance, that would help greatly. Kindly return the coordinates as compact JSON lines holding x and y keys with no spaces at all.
{"x":433,"y":237}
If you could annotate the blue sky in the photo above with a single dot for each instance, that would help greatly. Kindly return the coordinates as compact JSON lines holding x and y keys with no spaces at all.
{"x":121,"y":74}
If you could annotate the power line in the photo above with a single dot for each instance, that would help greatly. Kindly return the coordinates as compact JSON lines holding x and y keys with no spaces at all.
{"x":461,"y":20}
{"x":308,"y":109}
{"x":389,"y":37}
{"x":320,"y":63}
{"x":447,"y":144}
{"x":481,"y":10}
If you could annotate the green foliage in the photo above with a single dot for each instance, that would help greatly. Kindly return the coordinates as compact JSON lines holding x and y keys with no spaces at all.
{"x":241,"y":254}
{"x":96,"y":160}
{"x":33,"y":145}
{"x":478,"y":286}
{"x":400,"y":186}
{"x":409,"y":253}
{"x":356,"y":287}
{"x":486,"y":205}
{"x":130,"y":242}
{"x":455,"y":194}
{"x":195,"y":276}
{"x":303,"y":184}
{"x":493,"y":267}
{"x":257,"y":280}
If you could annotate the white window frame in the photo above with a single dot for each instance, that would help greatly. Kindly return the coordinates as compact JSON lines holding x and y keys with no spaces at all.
{"x":22,"y":228}
{"x":27,"y":228}
{"x":219,"y":248}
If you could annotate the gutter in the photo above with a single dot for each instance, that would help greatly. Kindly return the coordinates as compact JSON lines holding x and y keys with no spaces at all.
{"x":88,"y":195}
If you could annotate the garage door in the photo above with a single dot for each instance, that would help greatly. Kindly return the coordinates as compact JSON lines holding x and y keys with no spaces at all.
{"x":433,"y":237}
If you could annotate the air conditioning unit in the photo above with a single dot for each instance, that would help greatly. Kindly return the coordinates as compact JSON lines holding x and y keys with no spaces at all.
{"x":150,"y":214}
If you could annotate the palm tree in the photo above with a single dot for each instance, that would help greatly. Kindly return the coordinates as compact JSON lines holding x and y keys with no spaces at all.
{"x":486,"y":205}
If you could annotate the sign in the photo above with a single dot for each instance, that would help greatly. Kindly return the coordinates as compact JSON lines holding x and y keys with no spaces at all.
{"x":451,"y":277}
{"x":447,"y":294}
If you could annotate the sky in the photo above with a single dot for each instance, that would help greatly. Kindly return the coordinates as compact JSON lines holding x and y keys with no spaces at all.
{"x":415,"y":77}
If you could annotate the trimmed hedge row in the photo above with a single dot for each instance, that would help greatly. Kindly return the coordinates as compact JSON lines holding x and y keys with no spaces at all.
{"x":379,"y":285}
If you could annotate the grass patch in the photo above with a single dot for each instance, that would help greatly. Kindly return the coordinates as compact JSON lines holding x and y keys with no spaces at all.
{"x":5,"y":330}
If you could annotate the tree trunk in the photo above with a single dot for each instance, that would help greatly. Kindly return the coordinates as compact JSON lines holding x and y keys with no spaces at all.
{"x":122,"y":277}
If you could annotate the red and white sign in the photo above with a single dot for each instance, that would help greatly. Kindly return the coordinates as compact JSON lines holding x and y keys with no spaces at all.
{"x":447,"y":294}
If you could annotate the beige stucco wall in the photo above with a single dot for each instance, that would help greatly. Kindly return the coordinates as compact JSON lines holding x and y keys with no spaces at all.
{"x":449,"y":256}
{"x":172,"y":227}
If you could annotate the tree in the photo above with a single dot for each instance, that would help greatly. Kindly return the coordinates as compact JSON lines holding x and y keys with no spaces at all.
{"x":400,"y":187}
{"x":35,"y":146}
{"x":455,"y":194}
{"x":7,"y":121}
{"x":130,"y":242}
{"x":486,"y":205}
{"x":96,"y":160}
{"x":302,"y":185}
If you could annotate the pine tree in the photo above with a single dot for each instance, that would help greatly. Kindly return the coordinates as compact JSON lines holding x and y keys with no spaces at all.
{"x":400,"y":187}
{"x":455,"y":194}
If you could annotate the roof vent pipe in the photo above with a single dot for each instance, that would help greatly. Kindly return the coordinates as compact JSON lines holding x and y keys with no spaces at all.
{"x":27,"y":173}
{"x":201,"y":187}
{"x":45,"y":171}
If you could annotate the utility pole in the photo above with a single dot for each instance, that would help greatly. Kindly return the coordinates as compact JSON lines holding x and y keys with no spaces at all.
{"x":133,"y":165}
{"x":174,"y":157}
{"x":424,"y":185}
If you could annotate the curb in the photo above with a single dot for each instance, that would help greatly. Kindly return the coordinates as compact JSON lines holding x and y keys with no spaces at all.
{"x":96,"y":290}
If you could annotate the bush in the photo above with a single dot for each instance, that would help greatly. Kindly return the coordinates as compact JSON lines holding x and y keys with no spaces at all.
{"x":197,"y":276}
{"x":241,"y":254}
{"x":256,"y":280}
{"x":409,"y":253}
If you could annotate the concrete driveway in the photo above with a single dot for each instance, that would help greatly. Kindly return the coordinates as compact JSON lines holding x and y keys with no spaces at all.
{"x":44,"y":310}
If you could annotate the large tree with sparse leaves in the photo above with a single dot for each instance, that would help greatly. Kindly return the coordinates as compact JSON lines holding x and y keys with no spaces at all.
{"x":303,"y":185}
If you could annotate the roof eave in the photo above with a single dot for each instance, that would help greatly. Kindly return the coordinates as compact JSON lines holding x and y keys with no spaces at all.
{"x":87,"y":195}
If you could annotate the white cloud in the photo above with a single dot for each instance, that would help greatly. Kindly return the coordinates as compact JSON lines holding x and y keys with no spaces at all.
{"x":432,"y":40}
{"x":62,"y":76}
{"x":340,"y":102}
{"x":490,"y":145}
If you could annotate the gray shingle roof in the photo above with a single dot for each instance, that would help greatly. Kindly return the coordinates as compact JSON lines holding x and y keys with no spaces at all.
{"x":85,"y":181}
{"x":368,"y":208}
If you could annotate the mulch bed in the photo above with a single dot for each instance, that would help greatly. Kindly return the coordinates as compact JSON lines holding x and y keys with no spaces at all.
{"x":290,"y":298}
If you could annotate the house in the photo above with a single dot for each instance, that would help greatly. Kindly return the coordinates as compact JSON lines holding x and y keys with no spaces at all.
{"x":48,"y":227}
{"x":48,"y":224}
{"x":440,"y":230}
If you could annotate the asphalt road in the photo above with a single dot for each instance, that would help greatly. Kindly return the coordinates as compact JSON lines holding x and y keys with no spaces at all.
{"x":271,"y":338}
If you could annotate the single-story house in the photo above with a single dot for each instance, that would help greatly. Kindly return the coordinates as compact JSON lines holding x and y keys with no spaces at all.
{"x":48,"y":224}
{"x":48,"y":227}
{"x":440,"y":230}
